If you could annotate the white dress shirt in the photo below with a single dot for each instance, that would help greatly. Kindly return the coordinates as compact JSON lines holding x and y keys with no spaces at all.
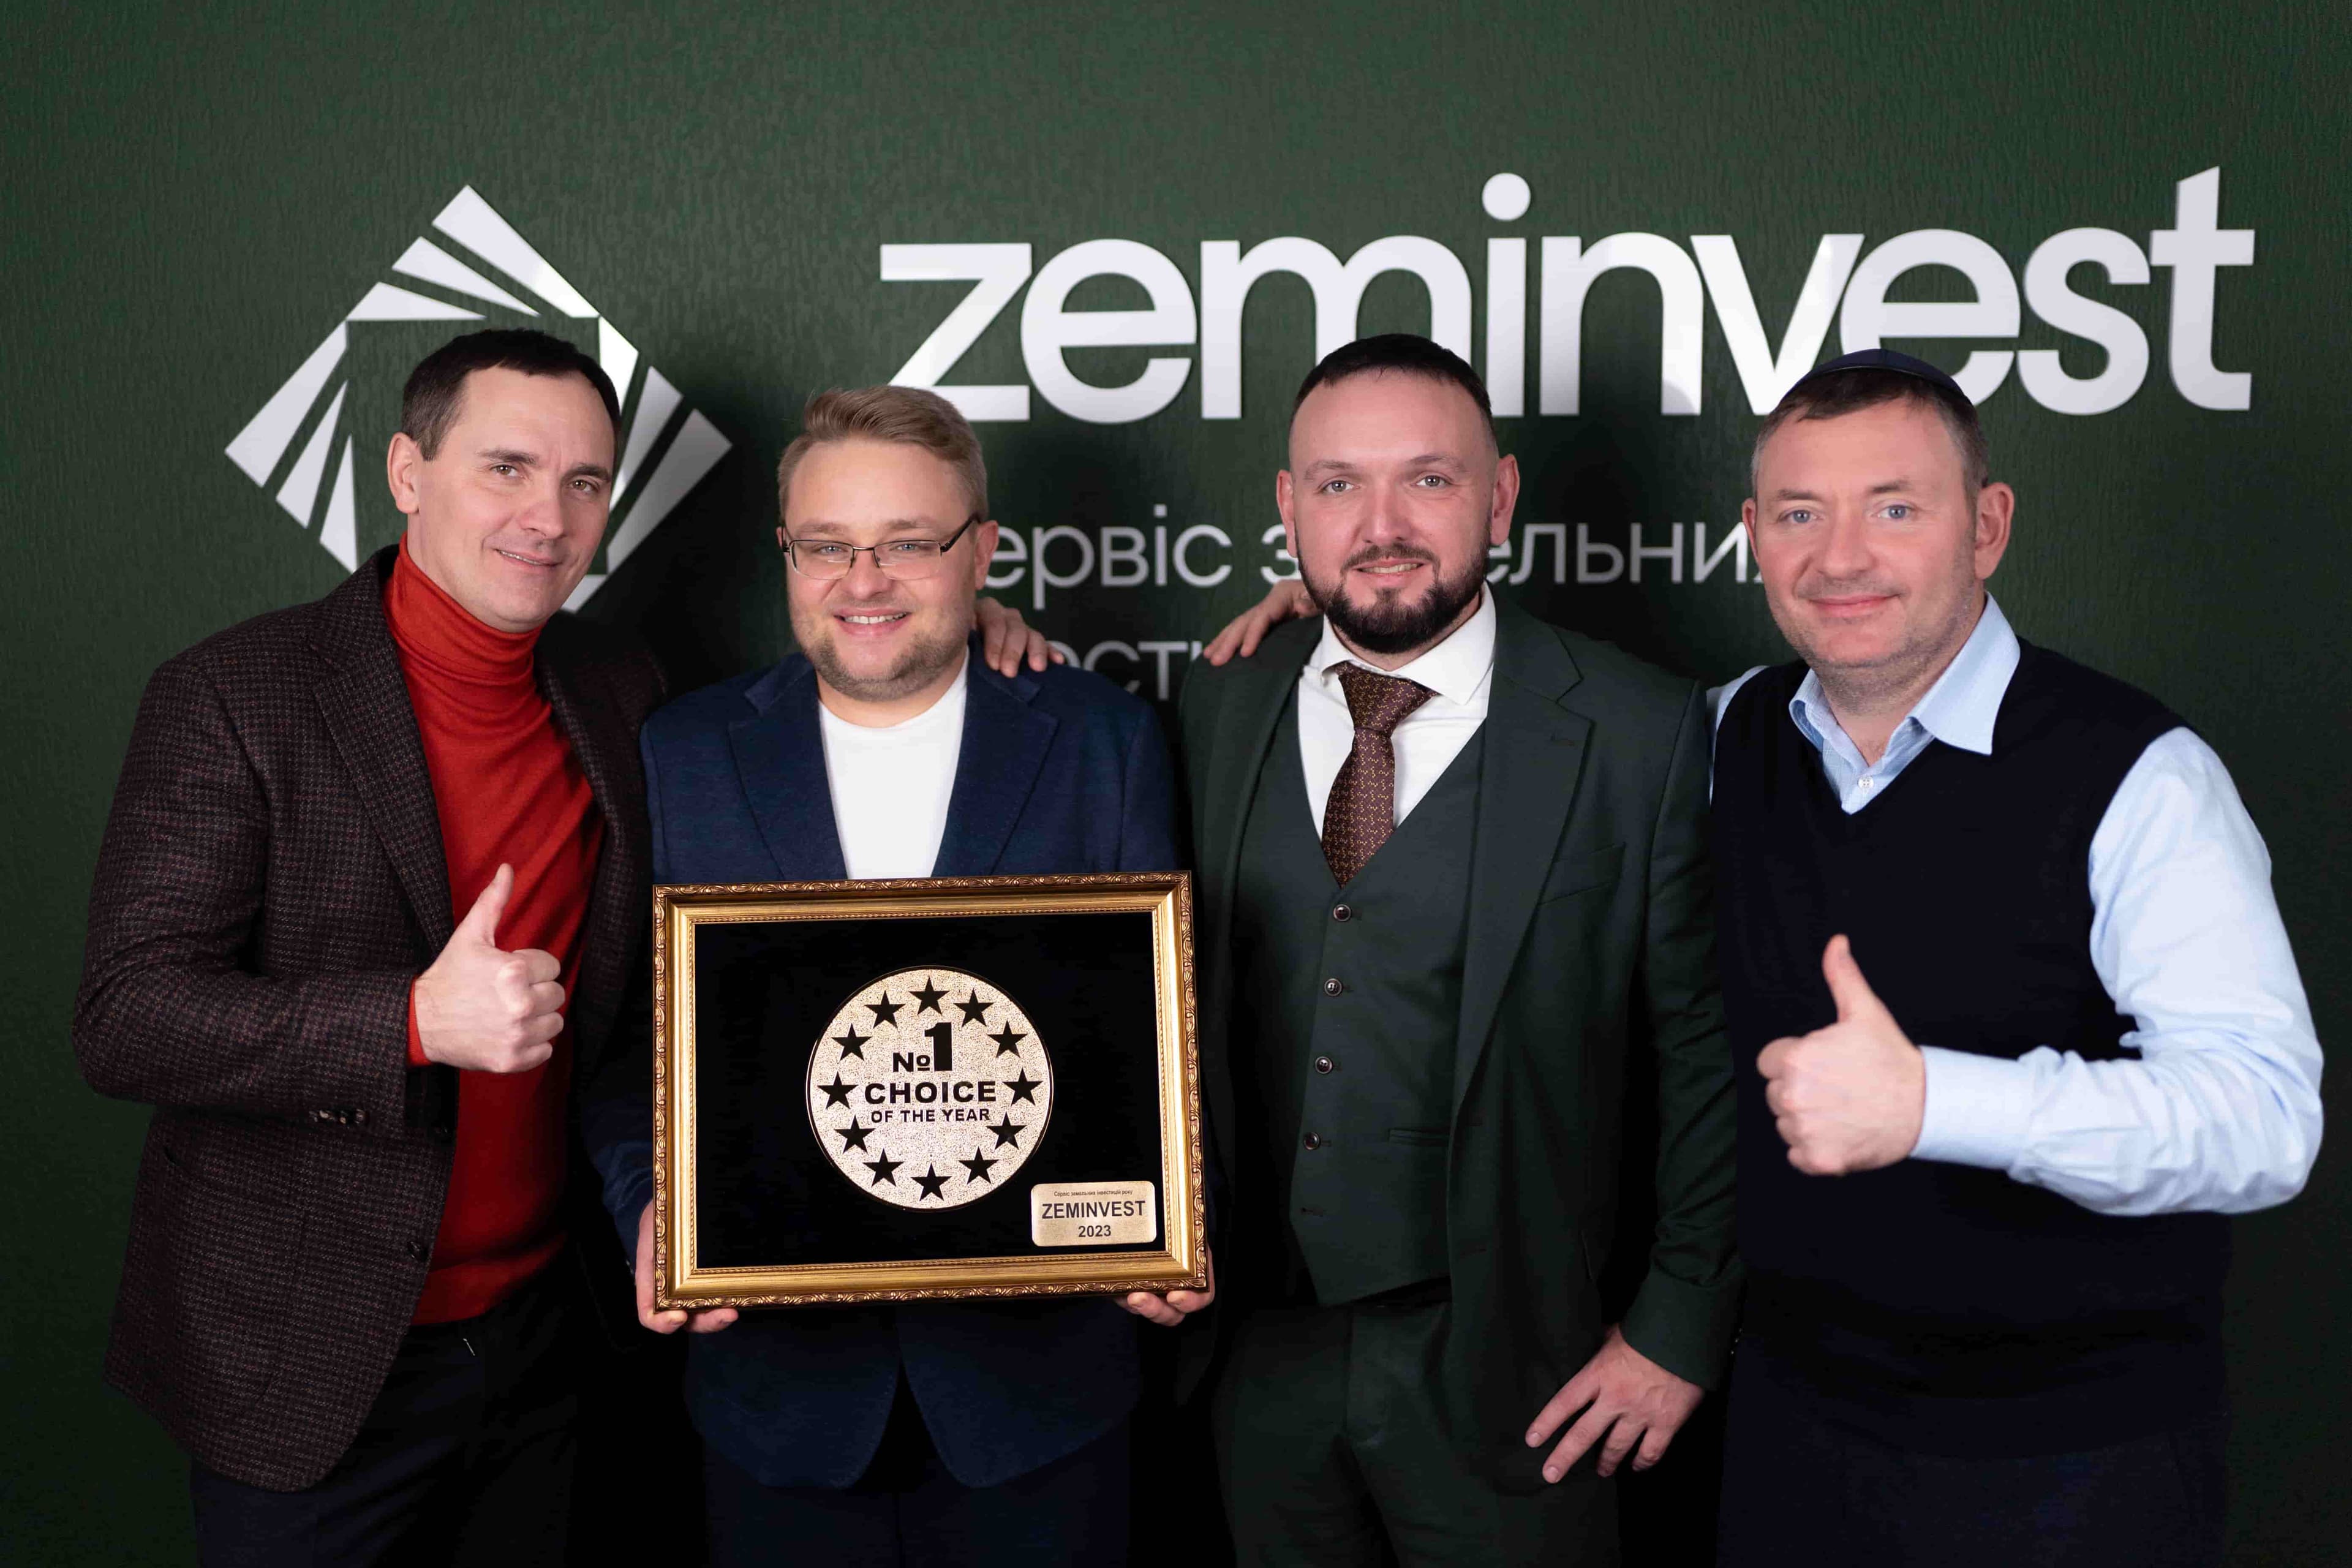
{"x":891,"y":785}
{"x":2222,"y":1110}
{"x":1460,"y":670}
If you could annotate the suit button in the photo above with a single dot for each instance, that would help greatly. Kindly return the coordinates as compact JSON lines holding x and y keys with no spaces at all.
{"x":1314,"y":1140}
{"x":1325,"y":1064}
{"x":1342,"y":912}
{"x":416,"y":1250}
{"x":1332,"y":988}
{"x":322,"y":1116}
{"x":359,"y":1115}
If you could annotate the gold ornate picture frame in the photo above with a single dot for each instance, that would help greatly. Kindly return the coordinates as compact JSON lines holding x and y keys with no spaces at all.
{"x":935,"y":1088}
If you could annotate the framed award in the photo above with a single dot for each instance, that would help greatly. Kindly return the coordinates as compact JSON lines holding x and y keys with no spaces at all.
{"x":893,"y":1090}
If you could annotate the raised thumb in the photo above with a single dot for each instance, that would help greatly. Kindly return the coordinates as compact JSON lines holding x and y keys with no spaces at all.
{"x":481,"y":922}
{"x":1848,"y":989}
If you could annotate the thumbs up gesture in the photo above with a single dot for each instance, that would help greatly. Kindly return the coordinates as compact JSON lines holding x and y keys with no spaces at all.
{"x":487,"y":1010}
{"x":1850,"y":1097}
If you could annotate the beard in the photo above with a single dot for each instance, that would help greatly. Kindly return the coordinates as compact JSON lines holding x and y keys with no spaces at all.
{"x":1392,"y":622}
{"x":924,"y":659}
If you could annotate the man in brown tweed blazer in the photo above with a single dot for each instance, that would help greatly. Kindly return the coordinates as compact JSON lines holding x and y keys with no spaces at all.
{"x":311,"y":940}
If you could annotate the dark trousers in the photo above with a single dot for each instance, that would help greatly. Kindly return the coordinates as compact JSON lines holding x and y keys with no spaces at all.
{"x":1332,"y":1450}
{"x":464,"y":1458}
{"x":1800,"y":1486}
{"x":907,"y":1511}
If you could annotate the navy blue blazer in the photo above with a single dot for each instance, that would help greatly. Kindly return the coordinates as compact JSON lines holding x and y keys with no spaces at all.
{"x":1059,"y":771}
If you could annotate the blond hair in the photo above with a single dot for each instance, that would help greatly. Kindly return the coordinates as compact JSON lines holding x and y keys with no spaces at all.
{"x":907,"y":416}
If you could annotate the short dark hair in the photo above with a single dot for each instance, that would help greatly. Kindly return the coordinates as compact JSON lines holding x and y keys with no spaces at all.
{"x":1844,"y":392}
{"x":1406,"y":354}
{"x":428,"y":404}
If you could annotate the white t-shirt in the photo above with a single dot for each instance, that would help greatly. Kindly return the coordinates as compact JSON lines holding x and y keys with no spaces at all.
{"x":891,"y":785}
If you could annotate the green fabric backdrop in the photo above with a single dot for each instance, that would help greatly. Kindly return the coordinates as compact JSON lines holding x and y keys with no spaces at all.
{"x":197,"y":196}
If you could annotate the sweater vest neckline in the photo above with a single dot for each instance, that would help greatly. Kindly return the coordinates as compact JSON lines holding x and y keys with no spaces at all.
{"x":1927,"y":1294}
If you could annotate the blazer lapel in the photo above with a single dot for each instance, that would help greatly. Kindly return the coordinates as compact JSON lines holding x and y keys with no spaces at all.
{"x":364,"y":703}
{"x":780,"y":757}
{"x":606,"y":752}
{"x":1237,"y":752}
{"x":1526,"y":784}
{"x":1005,"y":739}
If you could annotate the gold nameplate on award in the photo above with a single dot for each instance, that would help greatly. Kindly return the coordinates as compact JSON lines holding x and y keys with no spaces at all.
{"x":887,"y":1091}
{"x":1076,"y":1213}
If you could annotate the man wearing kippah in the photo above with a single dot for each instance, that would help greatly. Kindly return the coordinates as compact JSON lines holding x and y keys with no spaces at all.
{"x":1982,"y":1191}
{"x":2017,"y":1027}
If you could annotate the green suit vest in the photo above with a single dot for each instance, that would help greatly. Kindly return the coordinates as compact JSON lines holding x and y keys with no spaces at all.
{"x":1345,"y":1015}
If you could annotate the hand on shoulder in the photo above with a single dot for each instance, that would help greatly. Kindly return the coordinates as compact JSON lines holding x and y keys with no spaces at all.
{"x":1285,"y":601}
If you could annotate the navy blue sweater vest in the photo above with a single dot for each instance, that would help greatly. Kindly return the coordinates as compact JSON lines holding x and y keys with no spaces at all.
{"x":1949,"y":1308}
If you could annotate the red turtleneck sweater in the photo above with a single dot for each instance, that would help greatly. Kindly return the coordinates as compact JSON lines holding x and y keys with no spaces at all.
{"x":507,"y":790}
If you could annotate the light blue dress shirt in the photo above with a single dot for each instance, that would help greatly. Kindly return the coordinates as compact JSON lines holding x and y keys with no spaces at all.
{"x":2221,"y":1111}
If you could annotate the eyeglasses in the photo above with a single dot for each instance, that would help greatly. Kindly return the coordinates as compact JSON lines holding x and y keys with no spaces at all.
{"x":828,"y":560}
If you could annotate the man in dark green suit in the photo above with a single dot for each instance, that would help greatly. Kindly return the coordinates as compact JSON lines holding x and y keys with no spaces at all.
{"x":1456,"y":908}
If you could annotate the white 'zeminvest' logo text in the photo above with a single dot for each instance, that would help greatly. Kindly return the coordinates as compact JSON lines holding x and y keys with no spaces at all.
{"x":1844,"y":283}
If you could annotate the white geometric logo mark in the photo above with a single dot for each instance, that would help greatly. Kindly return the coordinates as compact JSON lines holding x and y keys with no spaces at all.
{"x":470,"y":222}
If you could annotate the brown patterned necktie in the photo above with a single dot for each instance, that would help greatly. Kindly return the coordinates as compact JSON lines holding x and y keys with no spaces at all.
{"x":1361,"y":811}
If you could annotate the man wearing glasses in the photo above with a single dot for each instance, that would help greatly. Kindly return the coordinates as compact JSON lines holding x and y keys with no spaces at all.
{"x":930,"y":1432}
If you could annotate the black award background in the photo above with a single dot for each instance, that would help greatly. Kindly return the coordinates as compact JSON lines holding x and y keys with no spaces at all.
{"x":767,"y":1194}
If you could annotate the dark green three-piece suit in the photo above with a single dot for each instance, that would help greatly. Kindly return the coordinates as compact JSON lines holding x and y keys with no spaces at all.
{"x":1418,"y":1085}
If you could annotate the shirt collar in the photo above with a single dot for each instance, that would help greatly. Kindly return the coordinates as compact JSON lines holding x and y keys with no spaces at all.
{"x":1455,"y":668}
{"x":1961,"y":708}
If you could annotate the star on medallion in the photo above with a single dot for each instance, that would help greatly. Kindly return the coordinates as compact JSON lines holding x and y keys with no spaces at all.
{"x":1008,"y":1040}
{"x":884,"y":1169}
{"x":1008,"y":1132}
{"x":931,"y":1184}
{"x":836,"y":1092}
{"x":885,"y":1011}
{"x":976,"y":1169}
{"x":1024,"y":1087}
{"x":852,"y":1043}
{"x":853,"y":1136}
{"x":930,"y":997}
{"x":975,"y":1011}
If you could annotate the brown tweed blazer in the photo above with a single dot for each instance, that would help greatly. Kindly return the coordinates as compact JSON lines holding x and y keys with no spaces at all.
{"x":271,"y":882}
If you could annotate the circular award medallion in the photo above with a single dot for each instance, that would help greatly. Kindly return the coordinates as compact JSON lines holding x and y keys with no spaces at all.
{"x":929,"y":1089}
